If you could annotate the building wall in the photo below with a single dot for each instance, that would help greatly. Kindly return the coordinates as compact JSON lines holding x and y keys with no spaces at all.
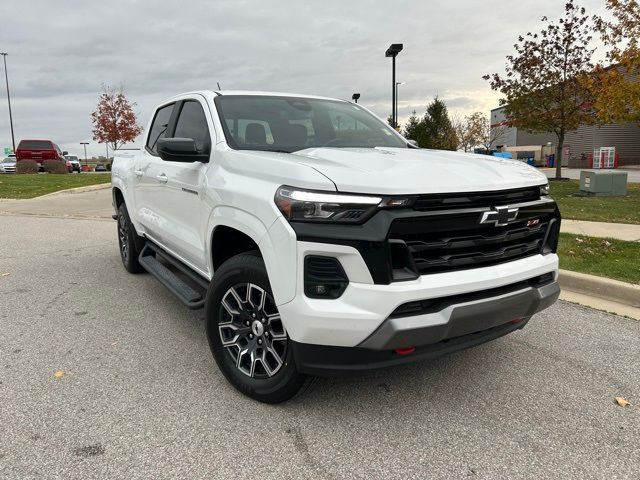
{"x":498,"y":120}
{"x":528,"y":138}
{"x":625,"y":137}
{"x":581,"y":143}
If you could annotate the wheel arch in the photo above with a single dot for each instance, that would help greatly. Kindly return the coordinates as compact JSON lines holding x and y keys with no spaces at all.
{"x":227,"y":224}
{"x":236,"y":231}
{"x":118,"y":197}
{"x":227,"y":242}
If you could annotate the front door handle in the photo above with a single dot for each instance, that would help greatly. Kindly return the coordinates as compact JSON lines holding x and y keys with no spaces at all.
{"x":162,"y":178}
{"x":138,"y":173}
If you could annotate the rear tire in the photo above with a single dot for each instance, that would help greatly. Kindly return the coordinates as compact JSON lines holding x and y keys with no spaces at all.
{"x":129,"y":242}
{"x":246,"y":335}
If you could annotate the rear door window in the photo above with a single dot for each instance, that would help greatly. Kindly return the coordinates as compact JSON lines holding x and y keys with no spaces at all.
{"x":159,"y":127}
{"x":192,"y":123}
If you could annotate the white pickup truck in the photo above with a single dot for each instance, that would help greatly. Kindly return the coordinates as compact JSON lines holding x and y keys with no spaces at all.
{"x":319,"y":240}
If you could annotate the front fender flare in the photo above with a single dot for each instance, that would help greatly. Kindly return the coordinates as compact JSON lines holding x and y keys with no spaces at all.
{"x":247,"y":223}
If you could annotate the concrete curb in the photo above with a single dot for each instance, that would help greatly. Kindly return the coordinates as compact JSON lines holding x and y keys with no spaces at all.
{"x":88,"y":188}
{"x":604,"y":288}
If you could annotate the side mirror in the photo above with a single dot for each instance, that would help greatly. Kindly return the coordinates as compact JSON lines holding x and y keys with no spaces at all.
{"x":413,"y":143}
{"x":65,"y":153}
{"x":181,"y":150}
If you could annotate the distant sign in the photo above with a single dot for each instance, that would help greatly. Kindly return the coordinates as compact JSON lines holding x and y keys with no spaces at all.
{"x":7,"y":150}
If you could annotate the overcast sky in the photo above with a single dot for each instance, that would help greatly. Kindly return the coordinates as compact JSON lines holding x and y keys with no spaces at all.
{"x":60,"y":52}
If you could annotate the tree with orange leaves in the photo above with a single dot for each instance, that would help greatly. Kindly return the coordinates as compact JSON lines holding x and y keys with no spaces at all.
{"x":114,"y":121}
{"x":544,"y":89}
{"x":617,"y":87}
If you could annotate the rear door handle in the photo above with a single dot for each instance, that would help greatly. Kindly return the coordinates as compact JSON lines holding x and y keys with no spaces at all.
{"x":162,"y":178}
{"x":138,"y":173}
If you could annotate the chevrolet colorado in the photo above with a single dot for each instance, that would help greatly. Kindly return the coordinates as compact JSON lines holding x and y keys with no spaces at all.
{"x":319,"y":240}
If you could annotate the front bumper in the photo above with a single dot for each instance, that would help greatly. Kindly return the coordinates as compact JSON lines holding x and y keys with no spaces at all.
{"x":322,"y":360}
{"x":469,"y":322}
{"x":364,"y":306}
{"x":463,"y":315}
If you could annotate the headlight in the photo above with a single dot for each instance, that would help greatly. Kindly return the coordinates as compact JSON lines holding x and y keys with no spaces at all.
{"x":544,"y":190}
{"x":305,"y":205}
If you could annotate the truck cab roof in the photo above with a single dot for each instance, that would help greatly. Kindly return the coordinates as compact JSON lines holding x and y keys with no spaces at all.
{"x":253,"y":93}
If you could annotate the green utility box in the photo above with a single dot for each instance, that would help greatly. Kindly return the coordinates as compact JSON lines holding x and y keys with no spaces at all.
{"x":603,"y":183}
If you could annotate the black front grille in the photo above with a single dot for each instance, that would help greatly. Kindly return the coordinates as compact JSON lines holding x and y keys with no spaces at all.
{"x":476,"y":200}
{"x":456,"y":241}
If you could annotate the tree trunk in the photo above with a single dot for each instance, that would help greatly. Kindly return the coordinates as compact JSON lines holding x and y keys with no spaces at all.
{"x":559,"y":150}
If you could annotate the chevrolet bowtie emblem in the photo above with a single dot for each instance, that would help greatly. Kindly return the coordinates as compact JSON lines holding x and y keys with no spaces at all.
{"x":499,"y":216}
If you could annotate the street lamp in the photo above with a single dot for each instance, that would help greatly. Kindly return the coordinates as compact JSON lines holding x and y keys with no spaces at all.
{"x":396,"y":105}
{"x":393,"y":52}
{"x":84,"y":144}
{"x":6,"y":78}
{"x":355,"y":97}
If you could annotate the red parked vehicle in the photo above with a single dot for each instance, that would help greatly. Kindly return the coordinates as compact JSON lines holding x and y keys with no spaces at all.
{"x":40,"y":150}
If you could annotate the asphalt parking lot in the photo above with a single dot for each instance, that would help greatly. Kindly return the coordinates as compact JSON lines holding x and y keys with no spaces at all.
{"x":141,"y":397}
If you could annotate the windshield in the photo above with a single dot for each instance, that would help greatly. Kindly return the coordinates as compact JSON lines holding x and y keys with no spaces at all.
{"x":287,"y":124}
{"x":72,"y":158}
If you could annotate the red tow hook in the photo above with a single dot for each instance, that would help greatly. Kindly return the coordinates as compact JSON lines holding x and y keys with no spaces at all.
{"x":404,"y":351}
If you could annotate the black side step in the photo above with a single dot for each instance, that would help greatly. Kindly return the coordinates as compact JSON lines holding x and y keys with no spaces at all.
{"x":185,"y":293}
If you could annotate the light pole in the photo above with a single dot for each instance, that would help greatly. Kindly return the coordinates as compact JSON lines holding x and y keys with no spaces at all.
{"x":107,"y":145}
{"x":393,"y":52}
{"x":84,"y":144}
{"x":355,"y":97}
{"x":6,"y":78}
{"x":396,"y":105}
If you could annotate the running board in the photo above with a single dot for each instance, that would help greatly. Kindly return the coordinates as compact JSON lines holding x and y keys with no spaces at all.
{"x":185,"y":293}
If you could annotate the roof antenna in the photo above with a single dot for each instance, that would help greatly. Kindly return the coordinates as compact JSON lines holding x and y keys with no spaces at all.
{"x":219,"y":86}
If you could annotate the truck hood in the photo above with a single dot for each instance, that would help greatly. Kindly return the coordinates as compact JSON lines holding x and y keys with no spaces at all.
{"x":403,"y":171}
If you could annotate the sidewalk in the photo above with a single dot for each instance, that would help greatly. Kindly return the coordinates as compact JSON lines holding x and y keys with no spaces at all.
{"x":633,"y":174}
{"x":619,"y":231}
{"x":95,"y":203}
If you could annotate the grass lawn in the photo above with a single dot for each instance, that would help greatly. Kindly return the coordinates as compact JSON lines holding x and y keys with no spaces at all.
{"x":597,"y":209}
{"x":34,"y":185}
{"x":598,"y":256}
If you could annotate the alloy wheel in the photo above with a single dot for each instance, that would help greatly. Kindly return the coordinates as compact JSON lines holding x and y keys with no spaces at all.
{"x":123,"y":236}
{"x":251,"y":331}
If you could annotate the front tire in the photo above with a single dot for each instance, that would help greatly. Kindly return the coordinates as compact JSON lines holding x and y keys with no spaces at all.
{"x":246,"y":335}
{"x":128,"y":241}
